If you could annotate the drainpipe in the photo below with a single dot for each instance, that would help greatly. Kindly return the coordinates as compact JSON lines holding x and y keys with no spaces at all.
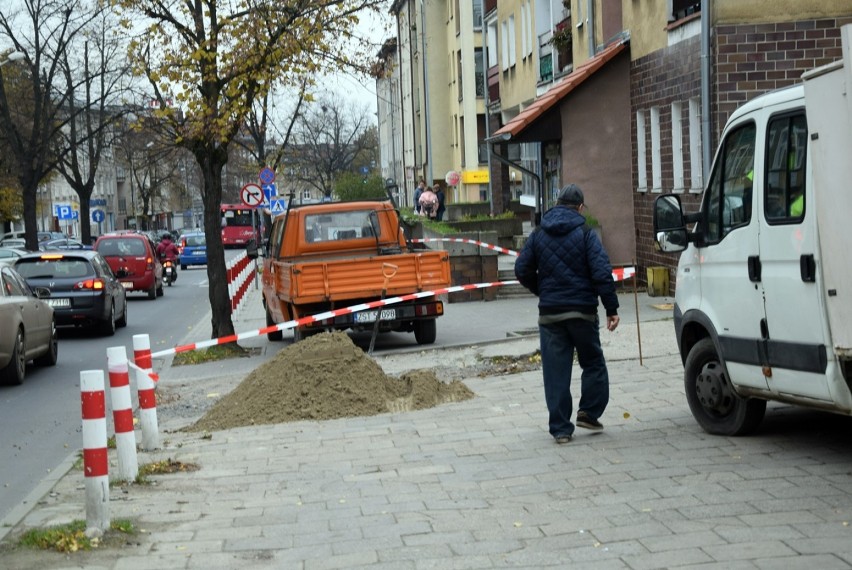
{"x":426,"y":91}
{"x":706,"y":151}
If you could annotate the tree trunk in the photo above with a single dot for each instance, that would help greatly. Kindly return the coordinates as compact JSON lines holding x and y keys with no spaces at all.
{"x":212,"y":162}
{"x":29,"y":185}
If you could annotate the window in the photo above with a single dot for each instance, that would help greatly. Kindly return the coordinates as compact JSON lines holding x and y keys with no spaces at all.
{"x":528,"y":46}
{"x":459,"y":74}
{"x":512,"y":47}
{"x":683,"y":8}
{"x":785,"y":169}
{"x":677,"y":147}
{"x":479,"y":72}
{"x":504,"y":45}
{"x":696,"y":157}
{"x":729,"y":196}
{"x":477,"y":14}
{"x":641,"y":164}
{"x":306,"y":194}
{"x":656,"y":159}
{"x":524,"y":32}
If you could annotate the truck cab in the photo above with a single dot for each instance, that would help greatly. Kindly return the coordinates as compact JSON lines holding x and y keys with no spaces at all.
{"x":764,"y":269}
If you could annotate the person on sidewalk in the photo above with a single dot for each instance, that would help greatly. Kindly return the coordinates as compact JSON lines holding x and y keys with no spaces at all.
{"x":564,"y":264}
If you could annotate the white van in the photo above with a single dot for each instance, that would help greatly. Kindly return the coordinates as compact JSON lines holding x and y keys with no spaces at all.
{"x":764,"y":284}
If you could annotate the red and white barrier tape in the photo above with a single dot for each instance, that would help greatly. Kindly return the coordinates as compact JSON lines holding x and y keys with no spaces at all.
{"x":327,"y":315}
{"x":470,"y":241}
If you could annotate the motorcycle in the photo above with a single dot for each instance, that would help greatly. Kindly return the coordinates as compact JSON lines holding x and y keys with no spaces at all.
{"x":169,"y":272}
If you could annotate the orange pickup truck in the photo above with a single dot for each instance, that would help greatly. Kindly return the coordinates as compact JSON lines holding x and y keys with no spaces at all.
{"x":321,"y":257}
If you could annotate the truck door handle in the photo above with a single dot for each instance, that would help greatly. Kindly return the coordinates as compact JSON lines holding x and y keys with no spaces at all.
{"x":807,"y":267}
{"x":754,"y":268}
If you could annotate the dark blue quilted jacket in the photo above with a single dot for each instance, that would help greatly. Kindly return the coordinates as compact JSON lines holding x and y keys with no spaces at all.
{"x":565,"y":266}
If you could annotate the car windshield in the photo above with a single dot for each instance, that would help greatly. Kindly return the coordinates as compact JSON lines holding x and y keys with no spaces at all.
{"x":38,"y":268}
{"x":121,"y":246}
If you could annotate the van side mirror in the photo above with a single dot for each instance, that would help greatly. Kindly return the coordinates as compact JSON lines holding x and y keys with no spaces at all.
{"x":669,"y":226}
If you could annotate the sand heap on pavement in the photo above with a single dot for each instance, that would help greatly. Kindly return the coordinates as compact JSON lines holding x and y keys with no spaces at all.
{"x":325,"y":377}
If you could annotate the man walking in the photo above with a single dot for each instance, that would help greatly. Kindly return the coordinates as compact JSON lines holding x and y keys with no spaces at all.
{"x":564,"y":264}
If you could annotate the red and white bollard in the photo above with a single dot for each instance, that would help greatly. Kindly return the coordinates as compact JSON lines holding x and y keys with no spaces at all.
{"x":146,"y":392}
{"x":122,"y":413}
{"x":95,"y":459}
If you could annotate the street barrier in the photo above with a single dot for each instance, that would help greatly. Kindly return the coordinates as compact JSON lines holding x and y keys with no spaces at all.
{"x":122,"y":413}
{"x":145,"y":391}
{"x":95,"y":460}
{"x":240,"y":274}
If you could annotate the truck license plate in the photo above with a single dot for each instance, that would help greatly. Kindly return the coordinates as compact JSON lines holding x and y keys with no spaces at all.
{"x":370,"y":316}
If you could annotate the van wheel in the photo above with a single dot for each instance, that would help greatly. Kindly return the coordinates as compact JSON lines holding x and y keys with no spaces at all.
{"x":712,"y":400}
{"x":275,"y":335}
{"x":425,"y":331}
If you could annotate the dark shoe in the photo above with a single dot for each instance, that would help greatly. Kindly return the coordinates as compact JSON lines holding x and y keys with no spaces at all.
{"x":585,"y":421}
{"x":561,"y":439}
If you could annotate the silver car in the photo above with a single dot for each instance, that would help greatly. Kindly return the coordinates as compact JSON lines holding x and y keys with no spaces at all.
{"x":29,"y":331}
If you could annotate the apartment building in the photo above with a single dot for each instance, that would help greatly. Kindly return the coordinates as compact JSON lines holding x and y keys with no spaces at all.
{"x":581,"y":123}
{"x":679,"y":108}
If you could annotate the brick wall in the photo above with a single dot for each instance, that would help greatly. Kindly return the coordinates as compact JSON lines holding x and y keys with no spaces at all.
{"x":466,"y":269}
{"x":749,"y":59}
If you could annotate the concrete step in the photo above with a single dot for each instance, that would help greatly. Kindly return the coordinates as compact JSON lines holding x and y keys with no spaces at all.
{"x":510,"y":291}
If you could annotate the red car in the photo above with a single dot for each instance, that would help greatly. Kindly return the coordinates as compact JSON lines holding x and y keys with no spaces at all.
{"x":135,"y":256}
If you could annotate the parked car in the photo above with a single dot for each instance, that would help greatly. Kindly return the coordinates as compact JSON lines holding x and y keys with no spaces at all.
{"x":84,"y":291}
{"x":133,"y":256}
{"x":42,"y":235}
{"x":8,"y":255}
{"x":193,"y":249}
{"x":14,"y":243}
{"x":62,"y":243}
{"x":29,"y":331}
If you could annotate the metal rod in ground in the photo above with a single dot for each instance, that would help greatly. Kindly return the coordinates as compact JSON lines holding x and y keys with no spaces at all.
{"x":95,"y":459}
{"x":636,"y":304}
{"x":122,"y":413}
{"x":146,"y":393}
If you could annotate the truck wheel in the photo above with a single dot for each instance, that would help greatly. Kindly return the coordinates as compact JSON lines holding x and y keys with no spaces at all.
{"x":275,"y":335}
{"x":712,"y":400}
{"x":425,"y":331}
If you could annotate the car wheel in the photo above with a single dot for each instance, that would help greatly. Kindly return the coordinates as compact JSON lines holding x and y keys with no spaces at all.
{"x":14,"y":372}
{"x":160,"y":290}
{"x":107,"y":327}
{"x":275,"y":335}
{"x":425,"y":331}
{"x":183,"y":267}
{"x":152,"y":292}
{"x":122,"y":321}
{"x":712,"y":400}
{"x":49,"y":358}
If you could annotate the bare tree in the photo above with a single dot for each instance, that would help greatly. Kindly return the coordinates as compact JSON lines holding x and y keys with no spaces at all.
{"x":93,"y":76}
{"x":44,"y":30}
{"x":328,"y":138}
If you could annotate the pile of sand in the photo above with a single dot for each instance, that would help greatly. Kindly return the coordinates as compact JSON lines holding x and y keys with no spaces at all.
{"x":325,"y":377}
